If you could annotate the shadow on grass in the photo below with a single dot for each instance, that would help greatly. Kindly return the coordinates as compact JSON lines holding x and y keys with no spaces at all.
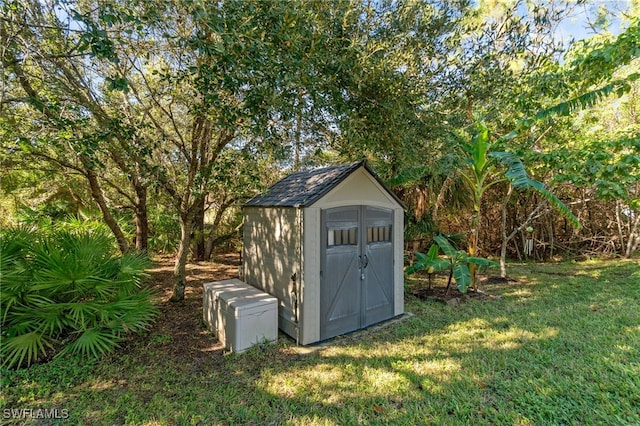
{"x":553,"y":351}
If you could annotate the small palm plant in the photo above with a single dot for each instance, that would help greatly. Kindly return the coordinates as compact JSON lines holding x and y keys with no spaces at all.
{"x":68,"y":291}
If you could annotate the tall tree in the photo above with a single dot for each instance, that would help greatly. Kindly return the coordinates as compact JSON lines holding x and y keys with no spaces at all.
{"x":217,"y":77}
{"x":61,"y":67}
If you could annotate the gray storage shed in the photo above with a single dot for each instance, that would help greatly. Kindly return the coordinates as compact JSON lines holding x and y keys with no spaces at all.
{"x":328,"y":244}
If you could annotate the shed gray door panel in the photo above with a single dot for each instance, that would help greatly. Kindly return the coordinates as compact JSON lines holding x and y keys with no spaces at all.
{"x":357,"y":268}
{"x":340,"y":283}
{"x":378,"y":267}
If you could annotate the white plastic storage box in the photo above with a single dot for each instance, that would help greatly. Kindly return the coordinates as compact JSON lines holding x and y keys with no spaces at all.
{"x":210,"y":300}
{"x":239,"y":314}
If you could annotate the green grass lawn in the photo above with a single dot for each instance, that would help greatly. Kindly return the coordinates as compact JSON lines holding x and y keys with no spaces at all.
{"x":562,"y":346}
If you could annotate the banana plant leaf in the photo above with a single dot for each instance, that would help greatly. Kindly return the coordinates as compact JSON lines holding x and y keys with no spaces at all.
{"x":481,"y":261}
{"x":429,"y":262}
{"x":517,"y":175}
{"x":446,"y":246}
{"x":462,"y":276}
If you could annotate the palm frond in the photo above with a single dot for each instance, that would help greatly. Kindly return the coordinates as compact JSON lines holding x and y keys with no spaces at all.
{"x":517,"y":175}
{"x":14,"y":284}
{"x":82,"y":314}
{"x":27,"y":347}
{"x":45,"y":317}
{"x":93,"y":342}
{"x":62,"y":284}
{"x":131,"y":271}
{"x":588,"y":99}
{"x":135,"y":313}
{"x":408,"y":175}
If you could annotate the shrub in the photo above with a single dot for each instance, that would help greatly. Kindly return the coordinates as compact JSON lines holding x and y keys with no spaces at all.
{"x":165,"y":236}
{"x":68,"y":291}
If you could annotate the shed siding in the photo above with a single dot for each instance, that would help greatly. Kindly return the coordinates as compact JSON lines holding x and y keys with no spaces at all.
{"x":271,"y":240}
{"x":310,"y":301}
{"x":282,"y":250}
{"x":359,"y":188}
{"x":398,"y":260}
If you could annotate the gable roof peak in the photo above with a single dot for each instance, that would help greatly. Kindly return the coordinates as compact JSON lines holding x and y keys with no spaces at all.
{"x":301,"y":189}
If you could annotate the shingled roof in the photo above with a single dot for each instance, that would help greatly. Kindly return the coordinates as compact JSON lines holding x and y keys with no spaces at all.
{"x":305,"y":188}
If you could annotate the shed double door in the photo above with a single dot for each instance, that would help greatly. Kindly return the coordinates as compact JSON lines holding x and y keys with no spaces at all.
{"x":356,"y":268}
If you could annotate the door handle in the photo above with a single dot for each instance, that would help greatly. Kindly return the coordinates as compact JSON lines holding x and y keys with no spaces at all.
{"x":365,"y":262}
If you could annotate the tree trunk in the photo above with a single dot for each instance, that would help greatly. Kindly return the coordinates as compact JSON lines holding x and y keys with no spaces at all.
{"x":552,"y":240}
{"x":473,"y":244}
{"x":211,"y":240}
{"x":469,"y":106}
{"x":180,"y":268}
{"x":505,"y":240}
{"x":633,"y":239}
{"x":98,"y":196}
{"x":619,"y":223}
{"x":298,"y":144}
{"x":473,"y":238}
{"x":142,"y":219}
{"x":446,"y":292}
{"x":210,"y":243}
{"x":199,"y":251}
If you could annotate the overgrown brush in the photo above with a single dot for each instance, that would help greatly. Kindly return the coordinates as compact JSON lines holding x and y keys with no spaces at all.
{"x":68,"y":291}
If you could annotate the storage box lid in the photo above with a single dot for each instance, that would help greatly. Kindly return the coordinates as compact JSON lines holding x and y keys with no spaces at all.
{"x":219,"y":286}
{"x":247,"y":299}
{"x":216,"y":288}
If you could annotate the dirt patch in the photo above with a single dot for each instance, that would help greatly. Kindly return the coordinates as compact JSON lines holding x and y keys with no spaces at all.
{"x":179,"y":330}
{"x":495,"y":279}
{"x":453,"y":297}
{"x":180,"y":334}
{"x":439,"y":293}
